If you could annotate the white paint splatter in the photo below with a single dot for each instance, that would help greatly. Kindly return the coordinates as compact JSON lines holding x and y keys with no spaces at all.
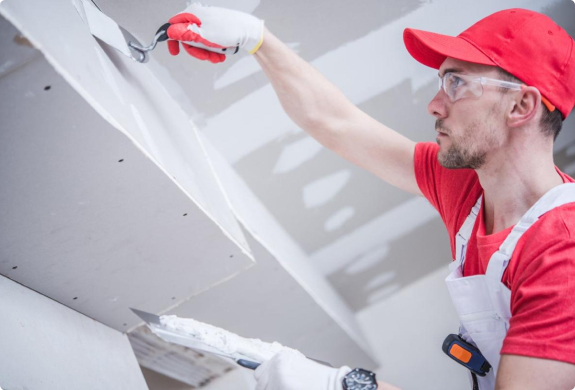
{"x":322,"y":190}
{"x":380,"y":280}
{"x":387,"y":227}
{"x":382,"y":293}
{"x":297,"y":153}
{"x":338,"y":219}
{"x":368,"y":260}
{"x":241,"y":69}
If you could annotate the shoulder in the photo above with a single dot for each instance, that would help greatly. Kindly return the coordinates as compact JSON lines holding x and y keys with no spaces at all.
{"x":547,"y":248}
{"x":542,"y":282}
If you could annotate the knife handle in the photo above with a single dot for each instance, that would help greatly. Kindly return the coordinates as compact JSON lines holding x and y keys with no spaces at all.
{"x":248,"y":364}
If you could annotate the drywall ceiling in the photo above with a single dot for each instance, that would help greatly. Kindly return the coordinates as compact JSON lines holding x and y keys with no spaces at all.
{"x":360,"y":232}
{"x":137,"y":234}
{"x":86,"y":218}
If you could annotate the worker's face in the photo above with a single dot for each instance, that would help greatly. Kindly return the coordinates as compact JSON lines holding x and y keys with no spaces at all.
{"x":469,"y":128}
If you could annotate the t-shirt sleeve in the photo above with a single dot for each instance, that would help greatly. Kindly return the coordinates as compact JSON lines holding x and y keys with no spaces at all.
{"x":452,"y":192}
{"x":543,"y":304}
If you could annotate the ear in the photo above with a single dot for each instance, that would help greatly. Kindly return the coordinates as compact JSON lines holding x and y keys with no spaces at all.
{"x":524,"y":106}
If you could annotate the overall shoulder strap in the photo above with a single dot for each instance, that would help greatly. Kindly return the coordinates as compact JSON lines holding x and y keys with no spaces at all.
{"x":464,"y":233}
{"x":556,"y":197}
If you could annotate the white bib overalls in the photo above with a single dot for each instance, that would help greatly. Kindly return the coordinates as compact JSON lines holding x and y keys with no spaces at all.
{"x":483,"y":302}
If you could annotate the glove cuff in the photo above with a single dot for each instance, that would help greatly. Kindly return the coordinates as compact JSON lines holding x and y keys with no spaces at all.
{"x":337,"y":382}
{"x":255,"y":37}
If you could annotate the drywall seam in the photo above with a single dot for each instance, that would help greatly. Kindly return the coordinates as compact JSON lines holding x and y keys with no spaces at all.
{"x":108,"y":117}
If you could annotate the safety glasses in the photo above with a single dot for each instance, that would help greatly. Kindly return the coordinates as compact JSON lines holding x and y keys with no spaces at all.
{"x":460,"y":86}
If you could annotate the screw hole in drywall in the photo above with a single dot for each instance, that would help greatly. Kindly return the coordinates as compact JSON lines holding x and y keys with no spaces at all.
{"x":75,"y":298}
{"x":125,"y":324}
{"x":173,"y":298}
{"x":47,"y":88}
{"x":185,"y":214}
{"x":231,"y":256}
{"x":120,"y":160}
{"x":15,"y":267}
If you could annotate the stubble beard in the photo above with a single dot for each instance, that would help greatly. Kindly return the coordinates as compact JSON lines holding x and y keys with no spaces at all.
{"x":457,"y":156}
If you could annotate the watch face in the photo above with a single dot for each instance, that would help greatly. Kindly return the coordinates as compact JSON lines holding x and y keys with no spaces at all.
{"x":360,"y":379}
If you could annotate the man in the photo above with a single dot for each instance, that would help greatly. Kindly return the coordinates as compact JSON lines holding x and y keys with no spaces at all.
{"x":505,"y":87}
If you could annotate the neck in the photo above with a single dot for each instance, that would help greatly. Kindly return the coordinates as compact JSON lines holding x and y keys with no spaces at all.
{"x":513,"y":180}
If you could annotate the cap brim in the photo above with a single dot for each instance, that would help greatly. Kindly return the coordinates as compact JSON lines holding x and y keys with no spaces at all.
{"x":432,"y":49}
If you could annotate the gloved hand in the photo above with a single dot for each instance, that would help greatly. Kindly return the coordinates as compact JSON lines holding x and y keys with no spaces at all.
{"x":208,"y":32}
{"x":290,"y":370}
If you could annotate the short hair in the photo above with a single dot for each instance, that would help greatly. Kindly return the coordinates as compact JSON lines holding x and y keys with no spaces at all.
{"x":551,"y":121}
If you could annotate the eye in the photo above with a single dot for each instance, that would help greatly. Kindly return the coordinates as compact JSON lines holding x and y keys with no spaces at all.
{"x":456,"y":81}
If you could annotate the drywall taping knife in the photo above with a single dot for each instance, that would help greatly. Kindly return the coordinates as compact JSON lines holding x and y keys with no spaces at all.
{"x":104,"y":28}
{"x":172,"y":336}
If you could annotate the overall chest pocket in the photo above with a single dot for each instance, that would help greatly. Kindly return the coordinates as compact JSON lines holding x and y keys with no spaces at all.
{"x":484,"y":326}
{"x":487,"y":331}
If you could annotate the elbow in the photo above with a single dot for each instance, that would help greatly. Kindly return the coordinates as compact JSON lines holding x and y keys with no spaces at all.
{"x":323,"y":131}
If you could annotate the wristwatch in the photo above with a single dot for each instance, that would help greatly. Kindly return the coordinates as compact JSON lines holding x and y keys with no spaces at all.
{"x":359,"y":379}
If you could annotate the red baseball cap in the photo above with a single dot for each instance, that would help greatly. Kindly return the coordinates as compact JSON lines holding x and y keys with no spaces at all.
{"x":527,"y":44}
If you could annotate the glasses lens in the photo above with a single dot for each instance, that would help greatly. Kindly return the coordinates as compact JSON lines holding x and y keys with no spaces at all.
{"x":457,"y":87}
{"x":452,"y":86}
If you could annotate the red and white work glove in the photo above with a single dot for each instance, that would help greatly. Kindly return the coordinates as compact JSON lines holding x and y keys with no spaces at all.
{"x":290,"y":370}
{"x":209,"y":33}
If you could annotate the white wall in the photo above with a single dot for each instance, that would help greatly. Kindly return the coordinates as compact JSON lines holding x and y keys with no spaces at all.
{"x":45,"y":345}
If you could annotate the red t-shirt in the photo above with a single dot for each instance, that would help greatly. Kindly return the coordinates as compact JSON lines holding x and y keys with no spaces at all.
{"x":541,"y":272}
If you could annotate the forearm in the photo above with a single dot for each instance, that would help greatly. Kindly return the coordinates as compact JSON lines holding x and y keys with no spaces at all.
{"x":311,"y":101}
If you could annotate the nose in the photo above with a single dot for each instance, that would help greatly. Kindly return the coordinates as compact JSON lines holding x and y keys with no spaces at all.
{"x":437,"y":106}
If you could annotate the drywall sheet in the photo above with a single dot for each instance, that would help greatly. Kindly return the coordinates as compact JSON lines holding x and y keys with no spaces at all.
{"x":86,"y":218}
{"x":128,"y":96}
{"x":45,"y":345}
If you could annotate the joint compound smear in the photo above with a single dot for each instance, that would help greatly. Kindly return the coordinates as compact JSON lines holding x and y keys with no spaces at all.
{"x":223,"y":340}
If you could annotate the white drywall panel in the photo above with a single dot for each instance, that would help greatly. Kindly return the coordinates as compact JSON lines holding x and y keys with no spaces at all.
{"x":86,"y":218}
{"x":407,"y":332}
{"x":126,"y":94}
{"x":45,"y":345}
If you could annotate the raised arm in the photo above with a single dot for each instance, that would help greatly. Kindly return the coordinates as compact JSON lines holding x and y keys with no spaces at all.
{"x":312,"y":102}
{"x":321,"y":109}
